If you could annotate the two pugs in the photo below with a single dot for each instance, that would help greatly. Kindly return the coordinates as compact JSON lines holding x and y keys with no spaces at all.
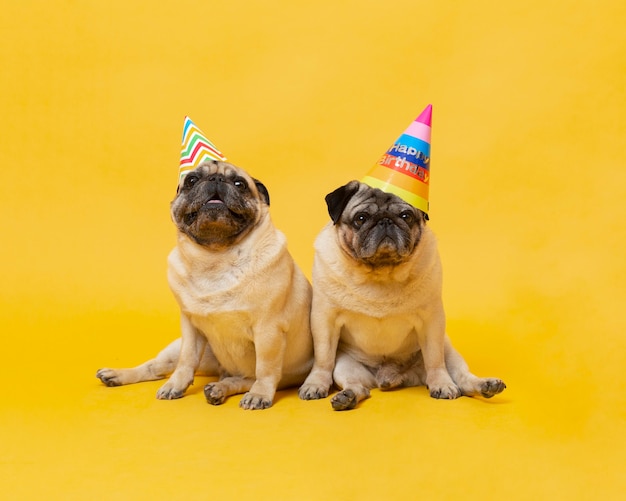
{"x":374,"y":317}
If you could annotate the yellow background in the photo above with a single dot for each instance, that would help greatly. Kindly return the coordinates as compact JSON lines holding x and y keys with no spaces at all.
{"x":527,"y":197}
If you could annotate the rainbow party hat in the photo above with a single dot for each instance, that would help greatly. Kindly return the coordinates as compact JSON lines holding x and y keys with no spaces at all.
{"x":405,"y":169}
{"x":196,"y":149}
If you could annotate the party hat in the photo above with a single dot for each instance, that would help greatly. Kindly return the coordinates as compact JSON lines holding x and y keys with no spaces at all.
{"x":196,"y":148}
{"x":405,"y":169}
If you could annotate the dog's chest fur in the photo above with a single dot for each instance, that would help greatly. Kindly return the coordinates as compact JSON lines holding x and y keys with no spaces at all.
{"x":207,"y":286}
{"x":381,"y":312}
{"x":215,"y":292}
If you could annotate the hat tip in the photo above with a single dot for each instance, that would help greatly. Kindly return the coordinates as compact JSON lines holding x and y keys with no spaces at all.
{"x":426,"y":116}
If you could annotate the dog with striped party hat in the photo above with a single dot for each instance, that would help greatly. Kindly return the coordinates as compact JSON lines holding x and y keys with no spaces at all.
{"x":244,"y":302}
{"x":377,"y":314}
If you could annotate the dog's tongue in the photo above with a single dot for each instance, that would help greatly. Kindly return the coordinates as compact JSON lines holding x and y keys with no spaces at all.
{"x":216,"y":201}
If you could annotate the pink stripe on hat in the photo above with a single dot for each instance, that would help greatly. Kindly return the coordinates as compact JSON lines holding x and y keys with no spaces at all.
{"x":419,"y":130}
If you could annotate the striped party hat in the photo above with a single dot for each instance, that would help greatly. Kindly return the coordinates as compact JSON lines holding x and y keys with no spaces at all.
{"x":196,"y":149}
{"x":405,"y":169}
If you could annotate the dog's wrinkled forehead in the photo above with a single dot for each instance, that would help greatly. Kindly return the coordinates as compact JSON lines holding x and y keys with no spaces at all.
{"x":206,"y":169}
{"x":354,"y":197}
{"x":373,"y":200}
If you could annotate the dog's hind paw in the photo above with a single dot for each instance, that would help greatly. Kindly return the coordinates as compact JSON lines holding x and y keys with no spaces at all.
{"x":109,"y":377}
{"x":214,"y":394}
{"x":344,"y":400}
{"x":491,"y":386}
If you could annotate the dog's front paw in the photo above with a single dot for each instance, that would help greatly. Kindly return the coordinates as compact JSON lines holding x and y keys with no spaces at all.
{"x":253,"y":401}
{"x":449,"y":391}
{"x":168,"y":392}
{"x":344,"y":400}
{"x":109,"y":377}
{"x":313,"y":391}
{"x":491,"y":386}
{"x":214,"y":394}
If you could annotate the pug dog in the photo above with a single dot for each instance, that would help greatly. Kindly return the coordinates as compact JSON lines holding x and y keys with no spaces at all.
{"x":377,"y":314}
{"x":244,"y":302}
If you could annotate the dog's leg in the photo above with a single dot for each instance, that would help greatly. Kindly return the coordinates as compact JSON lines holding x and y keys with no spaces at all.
{"x":157,"y":368}
{"x":325,"y":340}
{"x":354,"y":380}
{"x":469,"y":384}
{"x":269,"y":347}
{"x":432,"y":340}
{"x":192,"y":348}
{"x":217,"y":392}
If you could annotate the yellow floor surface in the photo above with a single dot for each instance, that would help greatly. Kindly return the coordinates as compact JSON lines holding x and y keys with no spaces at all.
{"x":528,"y":184}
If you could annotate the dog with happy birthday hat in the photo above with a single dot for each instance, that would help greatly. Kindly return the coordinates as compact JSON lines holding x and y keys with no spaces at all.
{"x":377,"y":313}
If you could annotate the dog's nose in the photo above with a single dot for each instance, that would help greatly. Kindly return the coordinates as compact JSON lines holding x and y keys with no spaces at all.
{"x":384,"y":222}
{"x":216,"y":178}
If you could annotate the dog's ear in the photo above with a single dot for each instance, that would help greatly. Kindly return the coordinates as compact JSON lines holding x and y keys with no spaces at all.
{"x":265,"y":195}
{"x":338,"y":199}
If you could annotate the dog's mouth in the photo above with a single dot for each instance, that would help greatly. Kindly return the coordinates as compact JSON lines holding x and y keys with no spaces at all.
{"x":384,"y":247}
{"x":387,"y":246}
{"x":215,"y":209}
{"x":386,"y":240}
{"x":213,"y":202}
{"x":384,"y":256}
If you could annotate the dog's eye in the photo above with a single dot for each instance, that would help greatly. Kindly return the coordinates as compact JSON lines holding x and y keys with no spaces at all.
{"x":240,"y":184}
{"x":407,"y":217}
{"x":190,"y":180}
{"x":359,"y":219}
